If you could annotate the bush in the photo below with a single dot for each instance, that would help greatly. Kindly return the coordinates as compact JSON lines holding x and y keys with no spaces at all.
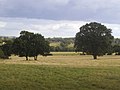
{"x":2,"y":55}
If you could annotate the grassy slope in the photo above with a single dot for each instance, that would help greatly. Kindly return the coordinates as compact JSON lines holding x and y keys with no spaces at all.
{"x":55,"y":44}
{"x":61,"y":73}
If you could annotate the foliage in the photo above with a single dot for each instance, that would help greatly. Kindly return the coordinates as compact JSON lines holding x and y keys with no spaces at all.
{"x":116,"y":49}
{"x":94,"y":39}
{"x":61,"y":44}
{"x":63,"y":40}
{"x":1,"y":53}
{"x":116,"y":41}
{"x":116,"y":46}
{"x":7,"y":48}
{"x":30,"y":45}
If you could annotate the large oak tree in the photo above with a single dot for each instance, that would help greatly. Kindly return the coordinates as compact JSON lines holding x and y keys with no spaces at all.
{"x":30,"y":45}
{"x":93,"y":38}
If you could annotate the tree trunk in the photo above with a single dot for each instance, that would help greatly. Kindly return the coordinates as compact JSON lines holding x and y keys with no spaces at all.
{"x":83,"y":53}
{"x":95,"y":56}
{"x":26,"y":57}
{"x":35,"y":57}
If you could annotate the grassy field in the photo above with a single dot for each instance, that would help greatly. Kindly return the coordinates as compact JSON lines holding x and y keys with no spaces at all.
{"x":60,"y":72}
{"x":65,"y":53}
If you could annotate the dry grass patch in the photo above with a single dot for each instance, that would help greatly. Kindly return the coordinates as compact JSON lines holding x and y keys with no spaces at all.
{"x":71,"y":61}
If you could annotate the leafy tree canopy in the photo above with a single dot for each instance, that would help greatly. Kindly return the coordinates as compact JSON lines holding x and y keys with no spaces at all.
{"x":30,"y":45}
{"x":93,"y":38}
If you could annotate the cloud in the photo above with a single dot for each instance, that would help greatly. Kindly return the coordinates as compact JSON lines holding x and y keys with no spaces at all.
{"x":58,"y":2}
{"x":78,"y":10}
{"x":2,"y":24}
{"x":48,"y":28}
{"x":115,"y":29}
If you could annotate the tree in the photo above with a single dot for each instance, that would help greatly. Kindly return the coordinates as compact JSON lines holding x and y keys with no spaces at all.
{"x":116,"y":49}
{"x":21,"y":45}
{"x":7,"y":48}
{"x":30,"y":45}
{"x":2,"y":54}
{"x":116,"y":46}
{"x":38,"y":46}
{"x":94,"y":39}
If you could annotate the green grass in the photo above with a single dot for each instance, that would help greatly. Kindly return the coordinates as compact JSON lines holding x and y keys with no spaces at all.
{"x":60,"y":73}
{"x":34,"y":77}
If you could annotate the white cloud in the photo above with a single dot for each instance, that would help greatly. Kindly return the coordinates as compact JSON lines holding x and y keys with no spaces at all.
{"x":100,"y":10}
{"x":2,"y":24}
{"x":58,"y":2}
{"x":97,"y":4}
{"x":115,"y":29}
{"x":48,"y":28}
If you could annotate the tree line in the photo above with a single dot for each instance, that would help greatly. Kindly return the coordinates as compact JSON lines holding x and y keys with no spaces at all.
{"x":93,"y":39}
{"x":61,"y":44}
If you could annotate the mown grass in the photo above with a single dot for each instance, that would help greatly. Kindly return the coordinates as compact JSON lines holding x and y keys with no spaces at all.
{"x":60,"y":73}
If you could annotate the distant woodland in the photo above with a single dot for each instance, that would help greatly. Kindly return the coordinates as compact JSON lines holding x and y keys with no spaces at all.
{"x":61,"y":44}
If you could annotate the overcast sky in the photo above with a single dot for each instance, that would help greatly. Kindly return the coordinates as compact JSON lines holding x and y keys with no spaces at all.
{"x":57,"y":18}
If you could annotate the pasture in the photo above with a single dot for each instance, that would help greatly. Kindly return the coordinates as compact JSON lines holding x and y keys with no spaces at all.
{"x":62,"y":71}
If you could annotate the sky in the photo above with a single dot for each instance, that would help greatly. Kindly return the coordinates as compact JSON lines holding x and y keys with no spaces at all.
{"x":57,"y":18}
